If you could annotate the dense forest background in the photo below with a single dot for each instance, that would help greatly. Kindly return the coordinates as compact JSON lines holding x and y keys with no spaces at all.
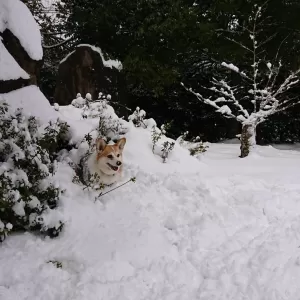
{"x":163,"y":43}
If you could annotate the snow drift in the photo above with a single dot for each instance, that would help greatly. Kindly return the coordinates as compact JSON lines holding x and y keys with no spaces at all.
{"x":214,"y":228}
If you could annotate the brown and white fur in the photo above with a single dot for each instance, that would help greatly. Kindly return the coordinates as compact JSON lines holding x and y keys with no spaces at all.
{"x":106,"y":162}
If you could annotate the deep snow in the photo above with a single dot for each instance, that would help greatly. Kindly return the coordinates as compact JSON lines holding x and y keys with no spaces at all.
{"x":9,"y":68}
{"x":218,"y":227}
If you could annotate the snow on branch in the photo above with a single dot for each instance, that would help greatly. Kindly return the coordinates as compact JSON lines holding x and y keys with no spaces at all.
{"x":261,"y":94}
{"x":235,"y":69}
{"x":225,"y":97}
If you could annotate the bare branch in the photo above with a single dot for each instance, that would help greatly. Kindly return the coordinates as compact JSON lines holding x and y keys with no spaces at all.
{"x":58,"y":44}
{"x":267,"y":40}
{"x":53,"y":33}
{"x":280,"y":45}
{"x":240,"y":44}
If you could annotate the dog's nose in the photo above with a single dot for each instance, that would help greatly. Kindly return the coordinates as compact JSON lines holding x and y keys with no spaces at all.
{"x":119,"y":163}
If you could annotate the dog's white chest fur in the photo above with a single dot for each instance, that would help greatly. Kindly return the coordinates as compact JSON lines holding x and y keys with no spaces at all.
{"x":92,"y":167}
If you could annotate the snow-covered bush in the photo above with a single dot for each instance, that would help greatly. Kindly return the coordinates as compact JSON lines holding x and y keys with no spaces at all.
{"x":195,"y":146}
{"x":56,"y":137}
{"x":156,"y":135}
{"x":167,"y":146}
{"x":198,"y":148}
{"x":138,"y":117}
{"x":28,"y":193}
{"x":110,"y":126}
{"x":181,"y":139}
{"x":79,"y":102}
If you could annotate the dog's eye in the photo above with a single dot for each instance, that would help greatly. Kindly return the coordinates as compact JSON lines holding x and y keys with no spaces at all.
{"x":110,"y":156}
{"x":118,"y":155}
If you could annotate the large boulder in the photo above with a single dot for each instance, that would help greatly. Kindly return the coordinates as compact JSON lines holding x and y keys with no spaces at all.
{"x":85,"y":70}
{"x":20,"y":46}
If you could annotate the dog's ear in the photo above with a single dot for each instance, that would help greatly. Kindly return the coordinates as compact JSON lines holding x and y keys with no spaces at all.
{"x":100,"y":145}
{"x":121,"y":143}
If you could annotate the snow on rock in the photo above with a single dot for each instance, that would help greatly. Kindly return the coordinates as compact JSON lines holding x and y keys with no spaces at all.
{"x":15,"y":16}
{"x":66,"y":57}
{"x":33,"y":102}
{"x":9,"y":68}
{"x":110,"y":63}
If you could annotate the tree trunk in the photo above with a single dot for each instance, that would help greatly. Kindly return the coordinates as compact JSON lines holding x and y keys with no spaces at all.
{"x":248,"y":139}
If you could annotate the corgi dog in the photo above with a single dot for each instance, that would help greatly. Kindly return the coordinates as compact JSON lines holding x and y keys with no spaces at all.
{"x":106,"y":162}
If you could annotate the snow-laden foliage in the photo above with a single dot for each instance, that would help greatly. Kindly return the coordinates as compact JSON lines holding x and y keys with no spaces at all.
{"x":110,"y":126}
{"x":79,"y":102}
{"x":263,"y":88}
{"x":28,"y":194}
{"x":166,"y":146}
{"x":195,"y":146}
{"x":55,"y":138}
{"x":138,"y":117}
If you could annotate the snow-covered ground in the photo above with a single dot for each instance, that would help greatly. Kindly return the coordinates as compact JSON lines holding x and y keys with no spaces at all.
{"x":217,"y":227}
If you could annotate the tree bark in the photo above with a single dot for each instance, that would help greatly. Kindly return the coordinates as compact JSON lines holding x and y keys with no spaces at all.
{"x":248,"y":139}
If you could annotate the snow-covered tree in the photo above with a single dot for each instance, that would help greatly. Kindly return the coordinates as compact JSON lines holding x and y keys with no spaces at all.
{"x":255,"y":92}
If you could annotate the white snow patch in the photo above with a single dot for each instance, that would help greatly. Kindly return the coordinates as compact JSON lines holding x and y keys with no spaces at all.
{"x":230,"y":66}
{"x":18,"y":208}
{"x":110,"y":63}
{"x":9,"y":68}
{"x":33,"y":102}
{"x":224,"y":110}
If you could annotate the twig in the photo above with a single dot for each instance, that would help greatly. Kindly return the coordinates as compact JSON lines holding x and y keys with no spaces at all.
{"x":133,"y":179}
{"x":58,"y":44}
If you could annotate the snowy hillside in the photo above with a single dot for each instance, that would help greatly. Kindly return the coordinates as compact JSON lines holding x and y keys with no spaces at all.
{"x":216,"y":227}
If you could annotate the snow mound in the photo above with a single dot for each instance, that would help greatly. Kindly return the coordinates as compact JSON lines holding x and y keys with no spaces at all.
{"x":219,"y":228}
{"x":33,"y":102}
{"x":9,"y":68}
{"x":15,"y":16}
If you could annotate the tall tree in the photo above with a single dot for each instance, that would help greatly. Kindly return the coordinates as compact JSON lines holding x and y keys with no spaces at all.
{"x":253,"y":93}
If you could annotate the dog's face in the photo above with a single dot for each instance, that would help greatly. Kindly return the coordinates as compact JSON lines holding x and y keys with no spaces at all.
{"x":109,"y":157}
